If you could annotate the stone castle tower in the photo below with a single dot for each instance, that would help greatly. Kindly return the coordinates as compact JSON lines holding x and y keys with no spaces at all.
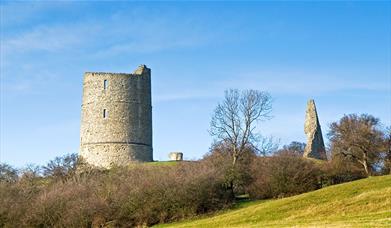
{"x":116,"y":118}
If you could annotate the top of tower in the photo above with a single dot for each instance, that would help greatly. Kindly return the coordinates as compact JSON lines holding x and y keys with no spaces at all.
{"x":142,"y":69}
{"x":311,"y":102}
{"x":311,"y":117}
{"x":311,"y":108}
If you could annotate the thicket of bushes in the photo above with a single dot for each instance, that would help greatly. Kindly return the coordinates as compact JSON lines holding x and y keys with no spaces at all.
{"x":137,"y":196}
{"x":143,"y":195}
{"x":281,"y":176}
{"x":288,"y":174}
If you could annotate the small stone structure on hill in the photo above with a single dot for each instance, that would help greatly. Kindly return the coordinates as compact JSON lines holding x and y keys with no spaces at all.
{"x":175,"y":156}
{"x":116,"y":118}
{"x":315,"y":146}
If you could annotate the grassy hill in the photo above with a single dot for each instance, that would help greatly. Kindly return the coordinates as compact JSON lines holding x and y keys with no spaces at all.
{"x":362,"y":203}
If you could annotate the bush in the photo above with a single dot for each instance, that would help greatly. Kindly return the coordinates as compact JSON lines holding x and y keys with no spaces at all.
{"x":281,"y":176}
{"x":141,"y":195}
{"x":339,"y":171}
{"x":236,"y":177}
{"x":61,"y":167}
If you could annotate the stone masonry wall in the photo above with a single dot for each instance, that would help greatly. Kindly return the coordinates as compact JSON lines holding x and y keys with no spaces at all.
{"x":116,"y":122}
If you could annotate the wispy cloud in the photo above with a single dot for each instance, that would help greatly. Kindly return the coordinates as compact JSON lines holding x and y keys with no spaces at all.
{"x":49,"y":38}
{"x":146,"y":44}
{"x":155,"y":33}
{"x":277,"y":82}
{"x":185,"y":95}
{"x":302,"y":82}
{"x":120,"y":33}
{"x":124,"y":32}
{"x":15,"y":13}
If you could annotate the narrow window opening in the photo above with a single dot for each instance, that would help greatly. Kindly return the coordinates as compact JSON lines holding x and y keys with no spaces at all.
{"x":104,"y":113}
{"x":105,"y":84}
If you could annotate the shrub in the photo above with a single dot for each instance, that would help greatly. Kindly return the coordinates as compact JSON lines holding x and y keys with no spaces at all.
{"x":143,"y":195}
{"x":236,"y":177}
{"x":140,"y":195}
{"x":282,"y":175}
{"x":61,"y":167}
{"x":339,"y":171}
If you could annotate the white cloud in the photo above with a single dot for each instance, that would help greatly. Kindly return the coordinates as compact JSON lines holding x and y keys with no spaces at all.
{"x":49,"y":38}
{"x":20,"y":12}
{"x":121,"y":33}
{"x":153,"y":34}
{"x":277,"y":82}
{"x":185,"y":95}
{"x":302,"y":82}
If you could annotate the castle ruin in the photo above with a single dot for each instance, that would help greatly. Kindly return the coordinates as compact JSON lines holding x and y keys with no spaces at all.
{"x":175,"y":156}
{"x":116,"y":118}
{"x":315,"y":145}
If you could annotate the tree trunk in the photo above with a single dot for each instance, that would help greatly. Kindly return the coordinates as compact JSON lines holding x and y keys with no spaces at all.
{"x":234,"y":160}
{"x":365,"y":164}
{"x":232,"y":189}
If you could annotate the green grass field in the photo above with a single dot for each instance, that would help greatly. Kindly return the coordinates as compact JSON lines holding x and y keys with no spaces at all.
{"x":161,"y":163}
{"x":154,"y":164}
{"x":362,"y":203}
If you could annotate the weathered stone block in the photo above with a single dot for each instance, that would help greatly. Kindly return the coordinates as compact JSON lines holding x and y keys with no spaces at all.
{"x":176,"y":156}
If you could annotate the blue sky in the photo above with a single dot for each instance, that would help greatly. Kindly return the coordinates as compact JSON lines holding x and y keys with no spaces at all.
{"x":338,"y":53}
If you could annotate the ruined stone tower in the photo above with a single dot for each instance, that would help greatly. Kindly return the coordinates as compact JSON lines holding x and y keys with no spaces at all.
{"x":315,"y":145}
{"x":116,"y":118}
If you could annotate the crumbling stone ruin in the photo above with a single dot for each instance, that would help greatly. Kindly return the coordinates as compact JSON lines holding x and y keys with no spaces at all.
{"x":116,"y":118}
{"x":315,"y":145}
{"x":175,"y":156}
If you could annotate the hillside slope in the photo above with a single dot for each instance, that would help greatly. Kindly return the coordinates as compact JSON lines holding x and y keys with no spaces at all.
{"x":362,"y":203}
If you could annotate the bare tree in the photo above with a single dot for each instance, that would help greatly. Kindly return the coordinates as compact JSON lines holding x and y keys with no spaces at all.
{"x":358,"y":138}
{"x":234,"y":120}
{"x":294,"y":148}
{"x":61,"y":167}
{"x":30,"y":173}
{"x":8,"y":173}
{"x":267,"y":145}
